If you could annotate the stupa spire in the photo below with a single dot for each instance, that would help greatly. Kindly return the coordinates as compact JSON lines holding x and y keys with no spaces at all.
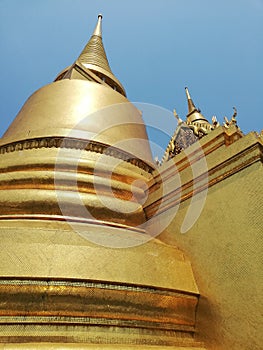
{"x":92,"y":63}
{"x":94,"y":52}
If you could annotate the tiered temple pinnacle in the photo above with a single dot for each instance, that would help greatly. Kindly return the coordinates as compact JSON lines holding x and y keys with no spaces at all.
{"x":94,"y":52}
{"x":92,"y":64}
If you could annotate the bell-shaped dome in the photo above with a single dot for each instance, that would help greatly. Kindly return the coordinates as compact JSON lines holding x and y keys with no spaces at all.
{"x":86,"y":101}
{"x":85,"y":110}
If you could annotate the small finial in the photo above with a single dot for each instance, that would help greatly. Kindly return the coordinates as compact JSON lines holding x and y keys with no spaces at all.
{"x":227,"y":122}
{"x":187,"y":93}
{"x":100,"y":16}
{"x":233,"y":119}
{"x":179,"y":120}
{"x":215,"y":121}
{"x":235,"y":112}
{"x":191,"y":105}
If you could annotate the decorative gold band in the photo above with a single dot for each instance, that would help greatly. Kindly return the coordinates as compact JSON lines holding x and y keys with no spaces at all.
{"x":72,"y":143}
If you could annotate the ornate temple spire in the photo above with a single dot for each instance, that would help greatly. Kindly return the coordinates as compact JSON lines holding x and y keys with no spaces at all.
{"x":195,"y":119}
{"x":195,"y":127}
{"x":186,"y":133}
{"x":193,"y":113}
{"x":92,"y":64}
{"x":94,"y":52}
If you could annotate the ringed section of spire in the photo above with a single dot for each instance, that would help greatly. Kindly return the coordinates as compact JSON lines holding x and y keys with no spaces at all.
{"x":92,"y":64}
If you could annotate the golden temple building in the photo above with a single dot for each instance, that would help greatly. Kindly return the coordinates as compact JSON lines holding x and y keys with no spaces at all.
{"x":103,"y":248}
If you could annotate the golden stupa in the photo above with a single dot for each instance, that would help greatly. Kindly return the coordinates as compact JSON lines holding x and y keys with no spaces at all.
{"x":82,"y":202}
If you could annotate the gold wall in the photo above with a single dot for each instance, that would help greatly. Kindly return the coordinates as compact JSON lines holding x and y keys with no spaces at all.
{"x":225,"y":244}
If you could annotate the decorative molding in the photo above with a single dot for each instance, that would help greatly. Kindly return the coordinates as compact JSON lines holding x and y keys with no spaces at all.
{"x":72,"y":143}
{"x":55,"y":304}
{"x":215,"y":175}
{"x":168,"y":329}
{"x":93,"y":284}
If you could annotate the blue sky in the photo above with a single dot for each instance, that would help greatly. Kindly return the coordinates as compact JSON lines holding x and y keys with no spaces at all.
{"x":155,"y":48}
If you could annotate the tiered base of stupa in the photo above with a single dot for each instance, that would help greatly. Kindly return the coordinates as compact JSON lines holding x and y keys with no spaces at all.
{"x":59,"y":288}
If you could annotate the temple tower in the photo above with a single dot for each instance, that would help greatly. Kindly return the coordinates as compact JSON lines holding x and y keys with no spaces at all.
{"x":80,"y":266}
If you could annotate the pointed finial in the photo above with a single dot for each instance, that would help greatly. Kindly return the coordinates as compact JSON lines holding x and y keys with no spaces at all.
{"x":179,"y":120}
{"x":187,"y":93}
{"x":98,"y":28}
{"x":191,"y":106}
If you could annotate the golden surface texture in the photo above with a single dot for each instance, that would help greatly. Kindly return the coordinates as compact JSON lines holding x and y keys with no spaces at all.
{"x":59,"y":346}
{"x":94,"y":54}
{"x":52,"y":248}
